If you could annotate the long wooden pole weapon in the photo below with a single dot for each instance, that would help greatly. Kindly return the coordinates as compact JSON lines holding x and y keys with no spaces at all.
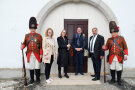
{"x":104,"y":69}
{"x":24,"y":69}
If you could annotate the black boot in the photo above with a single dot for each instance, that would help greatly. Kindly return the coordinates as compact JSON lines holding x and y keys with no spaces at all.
{"x":31,"y":77}
{"x":119,"y":77}
{"x":59,"y":75}
{"x":65,"y":71}
{"x":37,"y":73}
{"x":59,"y":72}
{"x":113,"y":77}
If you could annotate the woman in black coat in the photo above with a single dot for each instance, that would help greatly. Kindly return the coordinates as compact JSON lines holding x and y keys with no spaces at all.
{"x":63,"y":53}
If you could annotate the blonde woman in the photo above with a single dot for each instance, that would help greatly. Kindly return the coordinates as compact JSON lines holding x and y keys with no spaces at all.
{"x":49,"y":52}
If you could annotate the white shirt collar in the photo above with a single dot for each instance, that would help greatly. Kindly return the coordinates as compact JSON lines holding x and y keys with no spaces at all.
{"x":95,"y":35}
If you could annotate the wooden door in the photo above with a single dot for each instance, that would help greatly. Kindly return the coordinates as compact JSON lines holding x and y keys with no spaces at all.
{"x":71,"y":26}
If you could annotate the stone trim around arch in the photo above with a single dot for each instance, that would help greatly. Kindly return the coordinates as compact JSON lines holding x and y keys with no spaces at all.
{"x":52,"y":4}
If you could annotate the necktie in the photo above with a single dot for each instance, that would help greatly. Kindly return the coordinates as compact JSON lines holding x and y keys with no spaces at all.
{"x":92,"y":43}
{"x":78,"y":41}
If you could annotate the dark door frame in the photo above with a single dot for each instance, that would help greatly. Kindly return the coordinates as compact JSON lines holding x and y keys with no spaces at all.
{"x":76,"y":20}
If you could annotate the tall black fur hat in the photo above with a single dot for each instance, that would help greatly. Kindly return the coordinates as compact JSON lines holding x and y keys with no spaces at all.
{"x":32,"y":23}
{"x":113,"y":27}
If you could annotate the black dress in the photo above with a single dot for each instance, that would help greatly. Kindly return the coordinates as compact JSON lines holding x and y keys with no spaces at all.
{"x":63,"y":53}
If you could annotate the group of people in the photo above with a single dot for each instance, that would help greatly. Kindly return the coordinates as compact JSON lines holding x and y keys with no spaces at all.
{"x":44,"y":50}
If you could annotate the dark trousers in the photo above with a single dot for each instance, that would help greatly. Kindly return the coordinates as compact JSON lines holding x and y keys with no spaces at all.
{"x":48,"y":68}
{"x":79,"y":62}
{"x":65,"y":69}
{"x":96,"y":65}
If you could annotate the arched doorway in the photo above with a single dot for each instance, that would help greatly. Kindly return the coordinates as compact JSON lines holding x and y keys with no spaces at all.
{"x":44,"y":12}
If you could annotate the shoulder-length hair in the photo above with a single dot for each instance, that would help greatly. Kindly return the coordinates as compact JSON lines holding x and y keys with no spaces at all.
{"x":62,"y":31}
{"x":46,"y":33}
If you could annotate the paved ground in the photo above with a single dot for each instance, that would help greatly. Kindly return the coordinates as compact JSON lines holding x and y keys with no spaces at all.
{"x":12,"y":80}
{"x":10,"y":74}
{"x":73,"y":80}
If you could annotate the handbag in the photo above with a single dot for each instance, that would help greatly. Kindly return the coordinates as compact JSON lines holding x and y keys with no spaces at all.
{"x":86,"y":52}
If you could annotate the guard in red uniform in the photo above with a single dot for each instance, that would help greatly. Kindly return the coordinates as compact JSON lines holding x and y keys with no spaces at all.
{"x":118,"y":52}
{"x":33,"y":42}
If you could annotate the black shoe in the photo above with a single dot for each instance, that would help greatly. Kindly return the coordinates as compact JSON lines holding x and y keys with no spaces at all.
{"x":119,"y":83}
{"x":66,"y":75}
{"x":82,"y":73}
{"x":31,"y":81}
{"x":93,"y":75}
{"x":59,"y":75}
{"x":95,"y":79}
{"x":76,"y":73}
{"x":112,"y":81}
{"x":37,"y":82}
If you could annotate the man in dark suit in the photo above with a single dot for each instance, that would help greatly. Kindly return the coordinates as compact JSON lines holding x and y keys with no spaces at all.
{"x":79,"y":43}
{"x":96,"y":53}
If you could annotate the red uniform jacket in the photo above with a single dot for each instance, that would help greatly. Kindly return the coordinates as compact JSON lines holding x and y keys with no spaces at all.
{"x":34,"y":45}
{"x":115,"y":50}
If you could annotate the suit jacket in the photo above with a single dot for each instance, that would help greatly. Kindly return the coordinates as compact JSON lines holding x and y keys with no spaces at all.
{"x":83,"y":42}
{"x":36,"y":48}
{"x":115,"y":50}
{"x":97,"y":46}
